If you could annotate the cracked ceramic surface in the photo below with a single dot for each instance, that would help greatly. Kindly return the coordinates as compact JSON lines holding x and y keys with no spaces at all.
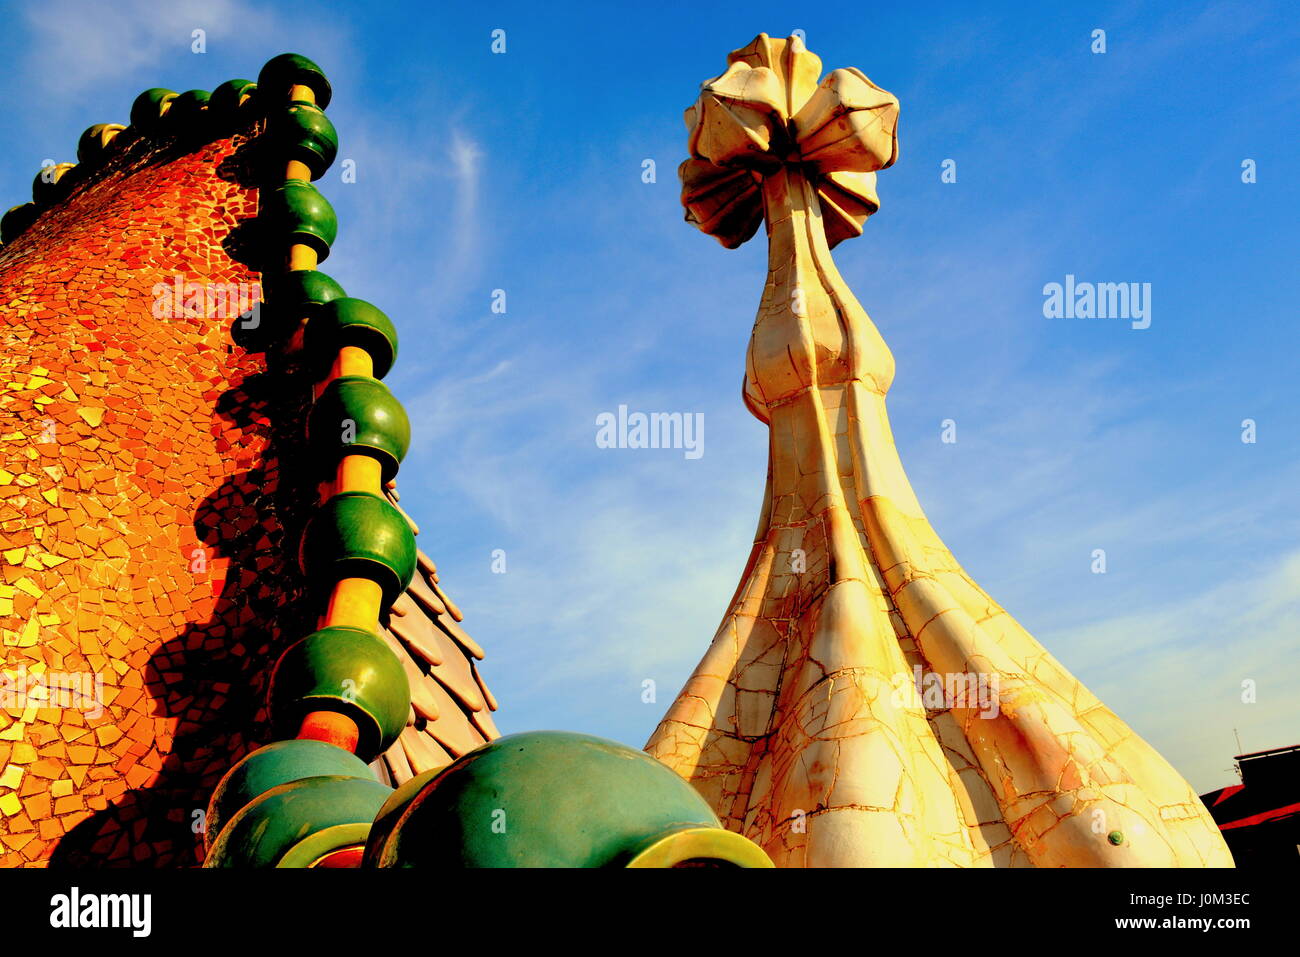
{"x":802,"y":725}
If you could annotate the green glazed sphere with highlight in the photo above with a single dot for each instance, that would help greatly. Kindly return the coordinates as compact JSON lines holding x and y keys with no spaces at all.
{"x":350,"y":671}
{"x":555,"y":799}
{"x":357,"y":415}
{"x":49,"y":185}
{"x":303,"y":132}
{"x":353,"y":322}
{"x":148,"y":108}
{"x":300,"y":291}
{"x":271,"y":766}
{"x":359,"y":535}
{"x":94,"y":144}
{"x":292,"y":297}
{"x":296,"y":824}
{"x":296,"y":212}
{"x":233,"y":99}
{"x":391,"y":813}
{"x":281,"y":73}
{"x":187,"y":112}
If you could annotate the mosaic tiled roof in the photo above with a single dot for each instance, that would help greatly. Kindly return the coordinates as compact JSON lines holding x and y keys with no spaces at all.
{"x":451,"y":706}
{"x":153,"y":486}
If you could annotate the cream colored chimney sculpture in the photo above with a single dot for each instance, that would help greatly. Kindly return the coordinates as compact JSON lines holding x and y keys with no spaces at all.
{"x":805,"y":725}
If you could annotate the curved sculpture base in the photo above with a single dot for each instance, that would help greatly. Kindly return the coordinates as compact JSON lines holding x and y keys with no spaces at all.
{"x":804,"y":725}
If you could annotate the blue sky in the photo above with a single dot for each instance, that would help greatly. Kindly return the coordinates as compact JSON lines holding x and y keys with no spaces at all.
{"x":522,"y":171}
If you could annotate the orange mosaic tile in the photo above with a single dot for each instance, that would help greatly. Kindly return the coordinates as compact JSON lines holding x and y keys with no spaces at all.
{"x":141,"y":521}
{"x":153,"y":484}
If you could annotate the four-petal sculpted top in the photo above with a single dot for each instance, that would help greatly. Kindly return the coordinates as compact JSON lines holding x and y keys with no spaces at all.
{"x":803,"y":724}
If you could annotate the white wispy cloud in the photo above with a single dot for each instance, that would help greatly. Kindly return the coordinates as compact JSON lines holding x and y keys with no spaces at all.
{"x":1176,"y":667}
{"x":621,"y":562}
{"x":620,"y":569}
{"x":76,"y":46}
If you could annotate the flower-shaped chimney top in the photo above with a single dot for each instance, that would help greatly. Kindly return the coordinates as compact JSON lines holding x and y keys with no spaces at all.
{"x":768,"y":111}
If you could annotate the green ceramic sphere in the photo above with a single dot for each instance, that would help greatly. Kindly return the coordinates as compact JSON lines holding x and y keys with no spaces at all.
{"x":296,"y":212}
{"x":49,"y":186}
{"x":271,"y":766}
{"x":303,"y":132}
{"x":301,"y":291}
{"x":91,"y":148}
{"x":267,"y":831}
{"x":296,"y":295}
{"x":357,"y":415}
{"x":392,"y":812}
{"x":17,"y":220}
{"x":187,"y":113}
{"x":283,"y":72}
{"x":541,"y":799}
{"x":147,"y":110}
{"x":359,"y":535}
{"x":347,"y":670}
{"x":353,"y":322}
{"x":225,"y":104}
